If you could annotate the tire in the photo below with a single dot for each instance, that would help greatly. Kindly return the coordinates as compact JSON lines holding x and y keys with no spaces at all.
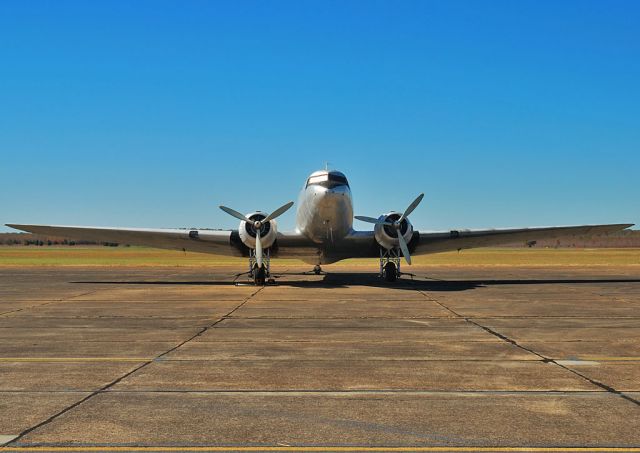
{"x":260,"y":275}
{"x":390,"y":272}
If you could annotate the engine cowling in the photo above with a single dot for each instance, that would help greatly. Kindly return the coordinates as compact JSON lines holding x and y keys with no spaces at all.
{"x":387,"y":236}
{"x":268,"y":231}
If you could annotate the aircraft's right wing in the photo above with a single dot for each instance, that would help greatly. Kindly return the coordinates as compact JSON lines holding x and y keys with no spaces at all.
{"x":434,"y":242}
{"x":217,"y":242}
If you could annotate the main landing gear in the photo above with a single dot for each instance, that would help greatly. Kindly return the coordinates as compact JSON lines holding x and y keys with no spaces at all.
{"x":390,"y":264}
{"x":317,"y":270}
{"x":259,"y":274}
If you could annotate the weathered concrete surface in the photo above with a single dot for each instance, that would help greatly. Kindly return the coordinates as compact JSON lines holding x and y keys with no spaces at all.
{"x":350,"y":350}
{"x":345,"y":419}
{"x":60,"y":376}
{"x":457,"y":357}
{"x":23,"y":410}
{"x":347,"y":375}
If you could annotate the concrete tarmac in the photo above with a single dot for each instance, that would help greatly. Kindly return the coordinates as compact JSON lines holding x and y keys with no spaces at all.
{"x":454,"y":359}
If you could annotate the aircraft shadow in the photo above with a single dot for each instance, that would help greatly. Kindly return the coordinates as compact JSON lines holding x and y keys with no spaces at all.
{"x":340,"y":280}
{"x":343,"y":280}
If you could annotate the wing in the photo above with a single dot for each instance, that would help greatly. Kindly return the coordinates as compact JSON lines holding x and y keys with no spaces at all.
{"x":433,"y":242}
{"x":194,"y":240}
{"x":205,"y":241}
{"x":362,"y":244}
{"x":295,"y":245}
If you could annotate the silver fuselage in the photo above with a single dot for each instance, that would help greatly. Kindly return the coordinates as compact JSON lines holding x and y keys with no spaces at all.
{"x":325,"y":219}
{"x":325,"y":212}
{"x":325,"y":215}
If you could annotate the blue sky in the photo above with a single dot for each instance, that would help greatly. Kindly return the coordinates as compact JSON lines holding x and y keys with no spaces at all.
{"x":151,"y":114}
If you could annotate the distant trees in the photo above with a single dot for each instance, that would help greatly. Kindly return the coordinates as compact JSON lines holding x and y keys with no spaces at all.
{"x":37,"y":240}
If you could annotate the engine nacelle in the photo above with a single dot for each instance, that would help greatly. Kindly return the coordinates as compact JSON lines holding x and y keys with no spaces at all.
{"x":387,"y":236}
{"x":268,"y":232}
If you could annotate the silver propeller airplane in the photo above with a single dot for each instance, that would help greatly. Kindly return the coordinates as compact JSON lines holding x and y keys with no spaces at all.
{"x":324,"y":233}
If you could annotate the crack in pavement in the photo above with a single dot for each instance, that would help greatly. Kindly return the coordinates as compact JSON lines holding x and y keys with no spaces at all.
{"x":124,"y":376}
{"x":542,"y":357}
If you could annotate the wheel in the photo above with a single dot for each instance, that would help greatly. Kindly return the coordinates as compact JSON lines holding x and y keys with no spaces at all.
{"x":317,"y":269}
{"x":390,"y":273}
{"x":259,"y":276}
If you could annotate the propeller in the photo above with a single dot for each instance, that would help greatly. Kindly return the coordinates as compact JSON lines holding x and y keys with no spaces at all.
{"x":397,"y":224}
{"x":257,"y":224}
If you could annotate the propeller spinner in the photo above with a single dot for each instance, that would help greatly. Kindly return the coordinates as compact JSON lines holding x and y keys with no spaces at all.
{"x":397,"y":225}
{"x":257,"y":224}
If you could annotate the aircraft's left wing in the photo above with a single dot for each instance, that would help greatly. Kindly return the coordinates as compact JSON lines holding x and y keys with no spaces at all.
{"x":194,"y":240}
{"x":362,"y":244}
{"x":433,"y":242}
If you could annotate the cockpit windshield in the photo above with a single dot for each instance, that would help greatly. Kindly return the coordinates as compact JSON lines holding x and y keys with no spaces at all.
{"x":328,"y":180}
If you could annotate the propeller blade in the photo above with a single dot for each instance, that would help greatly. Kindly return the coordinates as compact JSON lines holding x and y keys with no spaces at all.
{"x":235,"y":214}
{"x":258,"y":249}
{"x":404,"y":248}
{"x":278,"y":212}
{"x":372,"y":220}
{"x":411,"y":207}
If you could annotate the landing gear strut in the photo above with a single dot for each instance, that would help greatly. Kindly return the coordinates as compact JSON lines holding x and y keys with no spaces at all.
{"x":259,"y":274}
{"x":390,"y":264}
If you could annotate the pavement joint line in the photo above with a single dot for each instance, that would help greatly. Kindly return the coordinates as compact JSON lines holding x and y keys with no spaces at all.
{"x":427,"y":317}
{"x":74,"y":359}
{"x":319,"y":449}
{"x":609,"y":359}
{"x":49,"y":302}
{"x":544,"y":358}
{"x":361,"y":392}
{"x":31,"y":306}
{"x":115,"y":317}
{"x":129,"y":373}
{"x":198,"y":359}
{"x":536,"y":340}
{"x":367,"y":360}
{"x":557,"y":363}
{"x":598,"y":383}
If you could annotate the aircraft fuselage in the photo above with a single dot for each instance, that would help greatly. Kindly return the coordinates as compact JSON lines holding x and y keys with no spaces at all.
{"x":325,"y":208}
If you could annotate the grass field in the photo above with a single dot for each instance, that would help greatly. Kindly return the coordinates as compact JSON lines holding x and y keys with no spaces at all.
{"x":11,"y":256}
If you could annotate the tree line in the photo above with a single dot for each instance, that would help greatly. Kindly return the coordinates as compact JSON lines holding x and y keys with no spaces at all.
{"x":42,"y":240}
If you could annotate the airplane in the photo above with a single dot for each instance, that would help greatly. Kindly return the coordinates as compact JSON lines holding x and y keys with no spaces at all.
{"x":324,"y":233}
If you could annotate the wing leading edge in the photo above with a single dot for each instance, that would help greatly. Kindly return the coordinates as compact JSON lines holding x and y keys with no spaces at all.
{"x":434,"y":242}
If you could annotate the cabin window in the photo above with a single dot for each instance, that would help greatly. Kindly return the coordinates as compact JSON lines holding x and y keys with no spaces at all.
{"x":338,"y":179}
{"x":317,"y":179}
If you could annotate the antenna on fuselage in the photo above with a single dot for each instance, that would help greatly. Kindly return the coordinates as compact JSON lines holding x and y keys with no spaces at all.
{"x":326,"y":165}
